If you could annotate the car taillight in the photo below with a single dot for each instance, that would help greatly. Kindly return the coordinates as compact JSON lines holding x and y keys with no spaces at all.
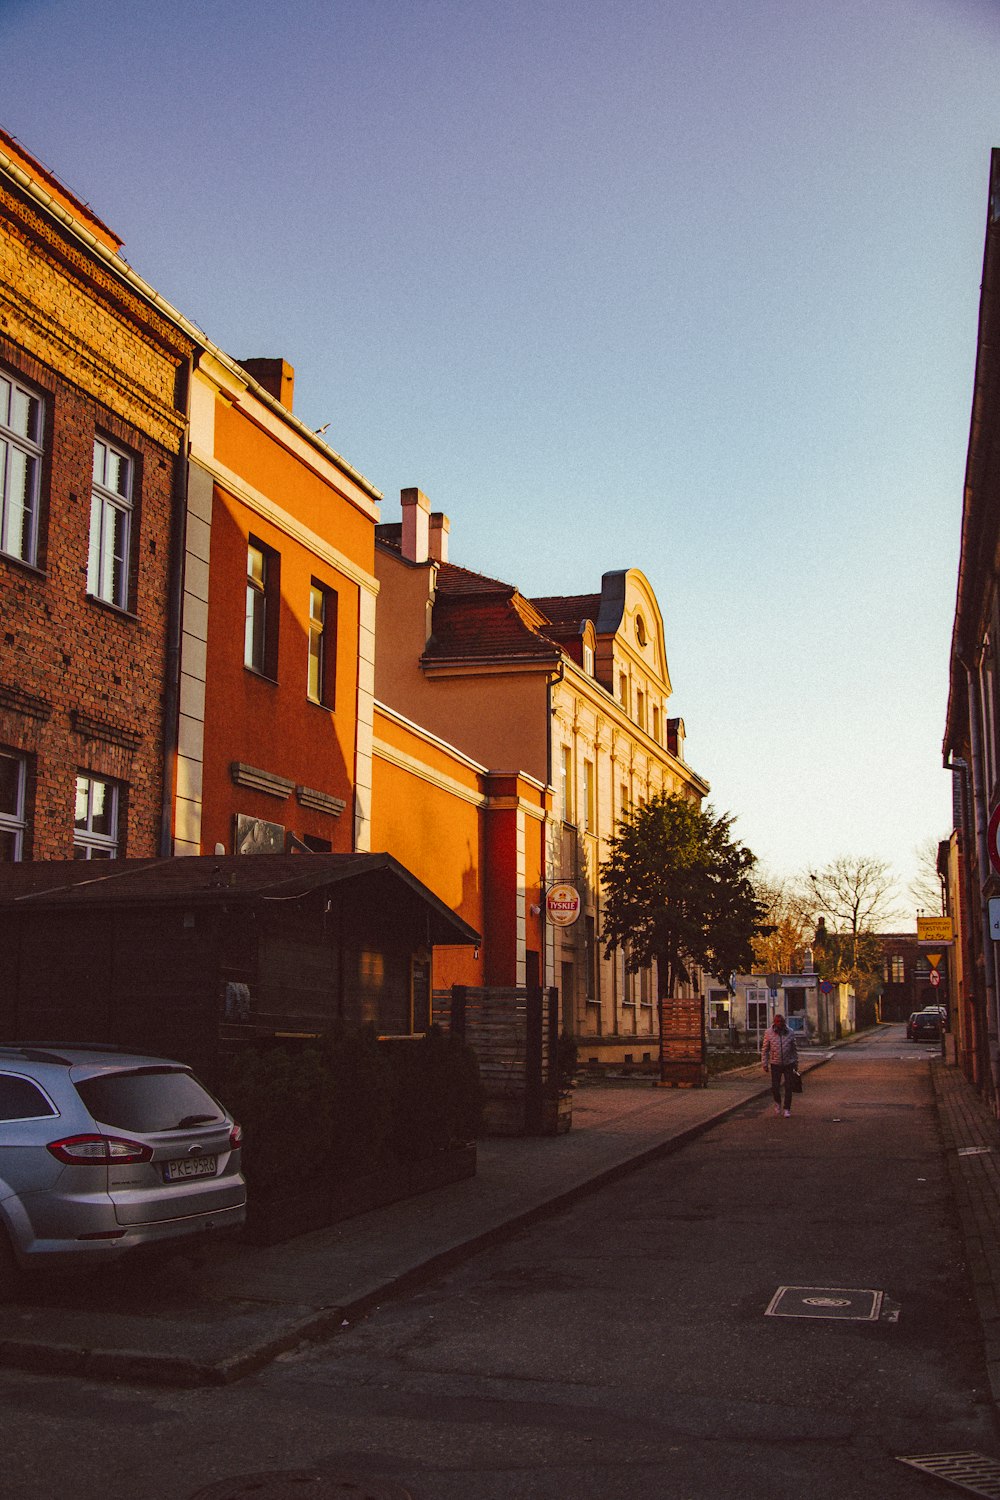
{"x":236,"y":1137}
{"x":99,"y":1151}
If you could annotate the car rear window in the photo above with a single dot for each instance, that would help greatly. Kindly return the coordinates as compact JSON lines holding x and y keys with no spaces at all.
{"x":149,"y":1099}
{"x":20,"y":1099}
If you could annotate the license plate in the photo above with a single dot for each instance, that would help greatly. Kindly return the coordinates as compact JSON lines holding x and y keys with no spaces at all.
{"x":190,"y":1166}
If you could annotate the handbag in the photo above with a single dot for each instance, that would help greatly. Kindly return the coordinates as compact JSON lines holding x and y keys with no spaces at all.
{"x":796,"y":1081}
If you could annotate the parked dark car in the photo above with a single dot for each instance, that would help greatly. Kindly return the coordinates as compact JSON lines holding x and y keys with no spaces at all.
{"x":924,"y":1026}
{"x":103,"y":1152}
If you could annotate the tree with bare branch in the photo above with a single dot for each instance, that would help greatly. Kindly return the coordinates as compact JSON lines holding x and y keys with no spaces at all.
{"x":858,"y":893}
{"x":859,"y":896}
{"x":925,"y":887}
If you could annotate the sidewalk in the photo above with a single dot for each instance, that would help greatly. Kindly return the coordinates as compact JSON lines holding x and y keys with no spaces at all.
{"x":971,"y":1136}
{"x":245,"y":1305}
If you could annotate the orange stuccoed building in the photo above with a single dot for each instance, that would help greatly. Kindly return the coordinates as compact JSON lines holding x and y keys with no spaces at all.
{"x":278,"y":626}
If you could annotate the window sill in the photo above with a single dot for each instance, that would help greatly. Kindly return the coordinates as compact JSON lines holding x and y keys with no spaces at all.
{"x":326,"y":708}
{"x":261,"y":676}
{"x":24,"y":565}
{"x":114,"y":609}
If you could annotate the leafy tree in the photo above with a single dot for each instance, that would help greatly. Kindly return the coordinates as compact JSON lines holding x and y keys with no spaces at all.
{"x":678,"y":889}
{"x":787,"y":928}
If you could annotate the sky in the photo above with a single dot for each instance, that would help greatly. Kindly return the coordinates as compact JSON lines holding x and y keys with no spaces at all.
{"x":689,"y":287}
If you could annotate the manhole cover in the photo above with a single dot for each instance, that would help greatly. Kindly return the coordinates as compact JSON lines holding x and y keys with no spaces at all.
{"x":301,"y":1484}
{"x":975,"y":1473}
{"x":850,"y":1304}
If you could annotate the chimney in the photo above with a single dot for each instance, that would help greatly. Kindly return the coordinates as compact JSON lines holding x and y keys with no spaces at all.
{"x":275,"y":375}
{"x":416,"y":525}
{"x":438,"y":544}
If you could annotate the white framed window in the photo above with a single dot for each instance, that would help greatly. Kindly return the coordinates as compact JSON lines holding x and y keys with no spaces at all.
{"x":110,"y":525}
{"x":21,"y":428}
{"x":13,"y":783}
{"x":757,"y":1010}
{"x":260,"y":635}
{"x":718,"y":1009}
{"x":95,"y":828}
{"x":566,"y":779}
{"x":322,"y":644}
{"x":588,"y":659}
{"x":255,"y":634}
{"x":589,"y":797}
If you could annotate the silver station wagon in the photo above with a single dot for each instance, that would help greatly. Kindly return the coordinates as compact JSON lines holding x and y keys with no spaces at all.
{"x":104,"y":1152}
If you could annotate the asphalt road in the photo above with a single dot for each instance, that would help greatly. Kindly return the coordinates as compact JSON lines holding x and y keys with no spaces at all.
{"x":621,"y":1349}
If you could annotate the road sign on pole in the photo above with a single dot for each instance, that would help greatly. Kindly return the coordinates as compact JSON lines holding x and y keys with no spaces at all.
{"x":992,"y":833}
{"x":934,"y":930}
{"x":994,"y":910}
{"x":935,"y":977}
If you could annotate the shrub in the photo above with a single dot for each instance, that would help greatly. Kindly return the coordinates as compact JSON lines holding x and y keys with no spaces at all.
{"x":567,"y":1059}
{"x":349,"y":1105}
{"x":436,"y":1095}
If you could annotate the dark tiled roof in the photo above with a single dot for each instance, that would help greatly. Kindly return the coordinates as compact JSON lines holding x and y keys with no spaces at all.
{"x":569,"y":610}
{"x":480,"y":618}
{"x":452,"y":579}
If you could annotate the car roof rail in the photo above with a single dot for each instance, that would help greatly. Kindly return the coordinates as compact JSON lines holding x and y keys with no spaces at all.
{"x":33,"y":1054}
{"x":53,"y":1051}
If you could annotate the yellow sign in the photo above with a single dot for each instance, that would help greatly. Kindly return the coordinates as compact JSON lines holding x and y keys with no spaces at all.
{"x":934,"y":930}
{"x":933,"y":959}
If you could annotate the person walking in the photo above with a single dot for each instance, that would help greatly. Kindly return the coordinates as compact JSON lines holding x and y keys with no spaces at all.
{"x":780,"y":1054}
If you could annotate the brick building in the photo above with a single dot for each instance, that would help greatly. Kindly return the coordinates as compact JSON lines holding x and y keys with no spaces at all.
{"x":971,"y":748}
{"x":906,"y":976}
{"x":92,"y":439}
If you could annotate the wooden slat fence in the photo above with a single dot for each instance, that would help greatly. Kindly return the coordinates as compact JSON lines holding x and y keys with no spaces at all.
{"x":514,"y":1034}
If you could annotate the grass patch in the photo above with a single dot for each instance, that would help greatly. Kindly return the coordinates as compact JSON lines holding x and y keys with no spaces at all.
{"x":724,"y":1062}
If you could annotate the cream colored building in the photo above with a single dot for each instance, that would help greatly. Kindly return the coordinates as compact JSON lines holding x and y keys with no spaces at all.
{"x":572,"y":690}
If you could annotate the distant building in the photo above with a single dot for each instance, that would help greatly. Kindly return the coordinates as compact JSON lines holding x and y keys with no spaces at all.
{"x":570,"y":692}
{"x":906,"y":976}
{"x":824,"y":1009}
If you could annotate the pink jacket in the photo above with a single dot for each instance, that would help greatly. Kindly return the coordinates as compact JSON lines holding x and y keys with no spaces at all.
{"x":779,"y":1049}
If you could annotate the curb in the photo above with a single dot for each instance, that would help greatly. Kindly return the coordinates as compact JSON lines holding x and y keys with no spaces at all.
{"x":178,"y":1372}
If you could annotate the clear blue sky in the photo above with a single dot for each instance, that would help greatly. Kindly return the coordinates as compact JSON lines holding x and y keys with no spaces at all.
{"x":686,"y":286}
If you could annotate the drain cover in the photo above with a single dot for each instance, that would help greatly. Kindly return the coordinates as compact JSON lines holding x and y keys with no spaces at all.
{"x":974,"y":1150}
{"x":975,"y":1473}
{"x":301,"y":1484}
{"x":850,"y":1304}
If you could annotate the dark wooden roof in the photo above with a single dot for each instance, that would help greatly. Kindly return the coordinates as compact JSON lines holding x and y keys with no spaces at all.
{"x":208,"y":880}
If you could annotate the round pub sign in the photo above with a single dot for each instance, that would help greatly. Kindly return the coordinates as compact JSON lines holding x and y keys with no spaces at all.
{"x":562,"y":905}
